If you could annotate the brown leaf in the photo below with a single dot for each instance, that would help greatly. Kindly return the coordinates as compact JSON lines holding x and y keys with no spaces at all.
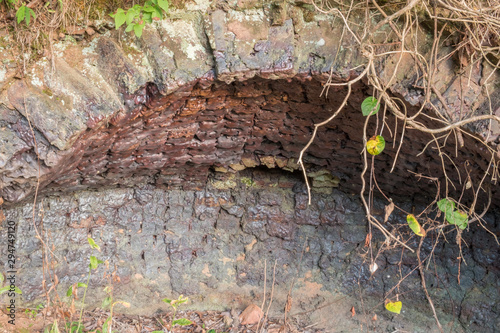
{"x":1,"y":201}
{"x":2,"y":217}
{"x":388,"y":211}
{"x":374,"y":318}
{"x":353,"y":312}
{"x":368,"y":239}
{"x":251,"y":315}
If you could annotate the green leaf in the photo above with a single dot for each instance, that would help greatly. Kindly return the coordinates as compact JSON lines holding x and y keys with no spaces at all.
{"x":29,"y":12}
{"x":120,"y":18}
{"x":70,"y":291}
{"x":167,"y":300}
{"x":459,"y":218}
{"x":138,"y":29}
{"x":446,"y":205}
{"x":93,"y":244}
{"x":130,"y":16}
{"x":182,"y":322}
{"x":130,"y":27}
{"x":375,"y":145}
{"x":20,"y":14}
{"x":158,"y":13}
{"x":163,"y":4}
{"x":94,"y":262}
{"x":74,"y":327}
{"x":370,"y":106}
{"x":81,"y":285}
{"x":394,"y":307}
{"x":106,"y":302}
{"x":4,"y":289}
{"x":105,"y":325}
{"x":147,"y":17}
{"x":7,"y":288}
{"x":415,"y":226}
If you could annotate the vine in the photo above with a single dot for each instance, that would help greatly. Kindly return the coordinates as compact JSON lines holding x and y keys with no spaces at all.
{"x":477,"y":45}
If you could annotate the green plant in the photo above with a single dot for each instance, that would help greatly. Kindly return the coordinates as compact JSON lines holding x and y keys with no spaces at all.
{"x":452,"y":215}
{"x":175,"y":303}
{"x":25,"y":13}
{"x":74,"y":327}
{"x":370,"y":107}
{"x":72,"y":290}
{"x":31,"y":313}
{"x":108,"y":301}
{"x":137,"y":16}
{"x":54,"y":328}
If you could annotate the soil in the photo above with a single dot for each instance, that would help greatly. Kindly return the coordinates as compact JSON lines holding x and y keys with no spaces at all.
{"x":203,"y":322}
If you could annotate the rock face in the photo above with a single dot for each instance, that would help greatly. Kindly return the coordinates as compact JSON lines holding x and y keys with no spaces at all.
{"x":213,"y":245}
{"x":226,"y":88}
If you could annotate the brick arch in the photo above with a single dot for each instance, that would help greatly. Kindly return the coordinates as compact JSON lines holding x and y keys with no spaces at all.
{"x":225,"y":90}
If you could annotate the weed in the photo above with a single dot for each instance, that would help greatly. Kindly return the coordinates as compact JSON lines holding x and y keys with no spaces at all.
{"x":137,"y":16}
{"x":25,"y":13}
{"x":108,"y":301}
{"x":31,"y":313}
{"x":175,"y":303}
{"x":73,"y":289}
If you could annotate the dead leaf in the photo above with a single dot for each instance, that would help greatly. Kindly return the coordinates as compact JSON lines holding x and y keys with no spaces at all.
{"x":368,"y":239}
{"x":2,"y":217}
{"x":374,"y":318}
{"x":251,"y":315}
{"x":373,"y":267}
{"x":1,"y":200}
{"x":353,"y":312}
{"x":388,"y":211}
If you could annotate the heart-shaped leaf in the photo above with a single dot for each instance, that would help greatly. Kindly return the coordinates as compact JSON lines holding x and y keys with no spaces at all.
{"x":446,"y":205}
{"x":375,"y":145}
{"x":459,"y":218}
{"x":182,"y":322}
{"x":370,"y":106}
{"x":394,"y":307}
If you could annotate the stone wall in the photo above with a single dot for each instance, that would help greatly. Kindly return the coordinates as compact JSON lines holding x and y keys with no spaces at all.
{"x":212,"y":244}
